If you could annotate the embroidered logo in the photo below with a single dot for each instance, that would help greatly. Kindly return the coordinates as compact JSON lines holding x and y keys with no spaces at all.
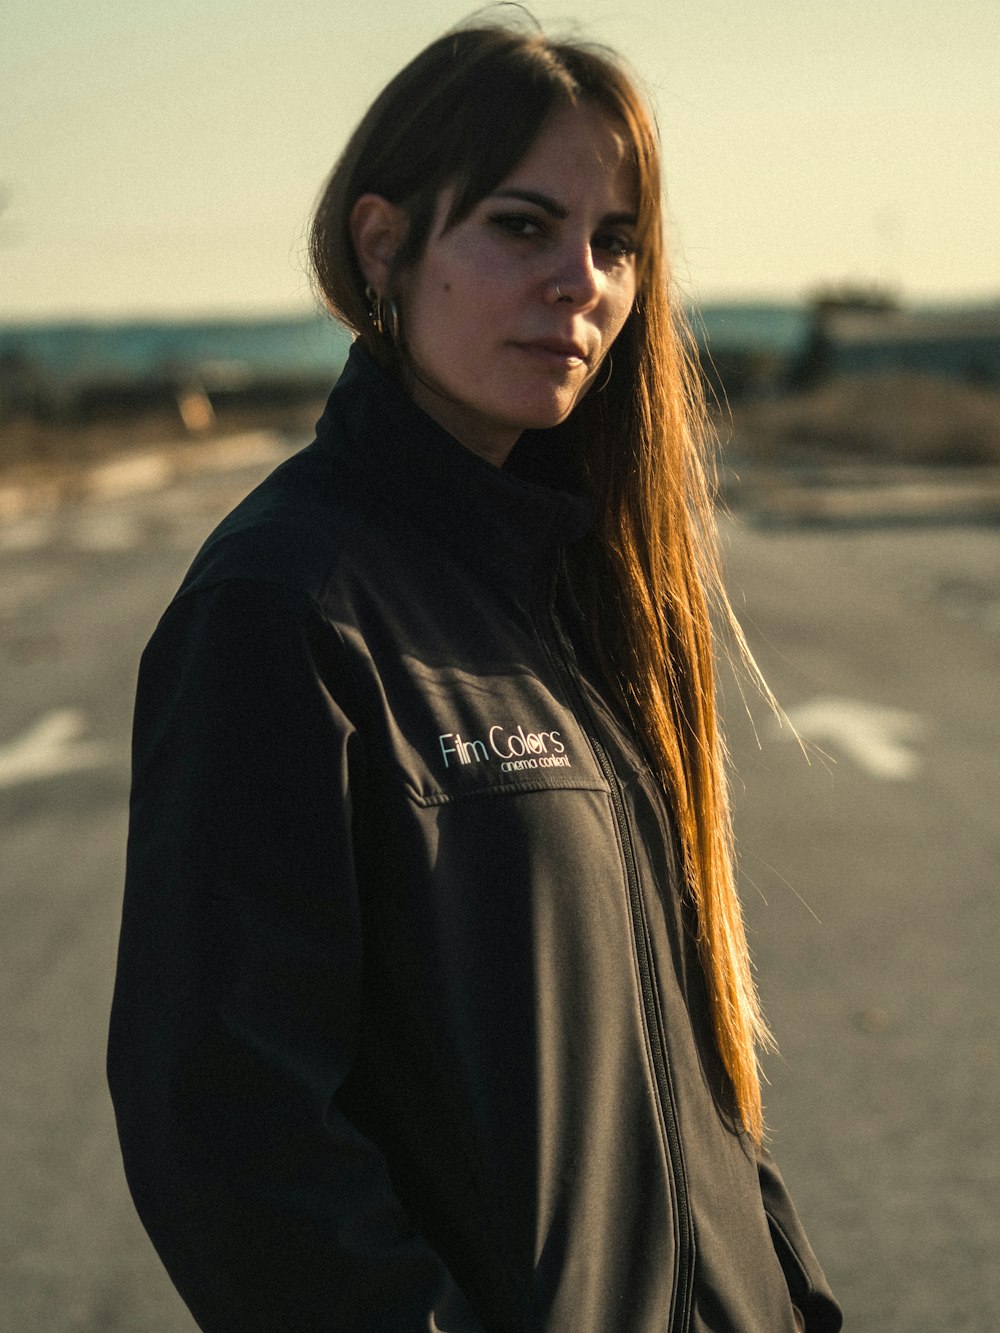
{"x":515,"y":749}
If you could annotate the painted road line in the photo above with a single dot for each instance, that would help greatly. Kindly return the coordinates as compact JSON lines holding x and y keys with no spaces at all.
{"x":878,"y":739}
{"x":131,"y":474}
{"x":49,"y":748}
{"x":103,"y":531}
{"x":27,"y":534}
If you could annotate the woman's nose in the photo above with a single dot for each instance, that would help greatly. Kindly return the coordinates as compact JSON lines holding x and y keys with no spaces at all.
{"x":575,"y":279}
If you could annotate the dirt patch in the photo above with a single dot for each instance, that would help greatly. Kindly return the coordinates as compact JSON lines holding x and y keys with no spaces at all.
{"x":37,"y":452}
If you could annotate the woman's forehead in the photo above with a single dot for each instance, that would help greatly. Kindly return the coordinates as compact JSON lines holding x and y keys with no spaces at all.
{"x":576,"y":146}
{"x":576,"y":131}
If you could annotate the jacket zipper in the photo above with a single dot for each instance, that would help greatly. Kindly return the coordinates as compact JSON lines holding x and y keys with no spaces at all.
{"x":680,"y":1314}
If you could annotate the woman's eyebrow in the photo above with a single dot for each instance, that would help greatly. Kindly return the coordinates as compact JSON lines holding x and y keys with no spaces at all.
{"x":542,"y":201}
{"x":556,"y":210}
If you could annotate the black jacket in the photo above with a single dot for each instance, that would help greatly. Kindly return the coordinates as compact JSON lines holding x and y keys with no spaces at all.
{"x":409,"y":1032}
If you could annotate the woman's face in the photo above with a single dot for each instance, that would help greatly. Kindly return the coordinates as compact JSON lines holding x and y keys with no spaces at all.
{"x":508,"y":314}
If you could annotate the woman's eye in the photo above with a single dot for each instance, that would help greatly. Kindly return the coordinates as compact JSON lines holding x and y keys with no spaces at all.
{"x":618,"y":244}
{"x":518,"y":224}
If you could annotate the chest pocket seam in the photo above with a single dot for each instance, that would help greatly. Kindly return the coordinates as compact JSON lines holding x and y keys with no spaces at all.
{"x":438,"y":796}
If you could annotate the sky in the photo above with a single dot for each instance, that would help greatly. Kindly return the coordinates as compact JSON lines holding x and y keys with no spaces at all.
{"x":162,"y":159}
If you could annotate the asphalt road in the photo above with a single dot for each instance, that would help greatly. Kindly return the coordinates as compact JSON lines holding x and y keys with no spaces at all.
{"x":869,"y":876}
{"x":870,"y":880}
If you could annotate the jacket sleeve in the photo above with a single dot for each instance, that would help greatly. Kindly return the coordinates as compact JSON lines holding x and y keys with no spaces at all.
{"x":238,"y":994}
{"x":807,"y":1283}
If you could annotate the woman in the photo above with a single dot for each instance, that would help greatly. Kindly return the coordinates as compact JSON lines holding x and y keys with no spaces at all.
{"x":433,"y":1006}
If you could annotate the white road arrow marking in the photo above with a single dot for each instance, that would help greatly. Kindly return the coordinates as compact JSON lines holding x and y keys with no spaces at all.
{"x":50,"y":747}
{"x":877,"y":738}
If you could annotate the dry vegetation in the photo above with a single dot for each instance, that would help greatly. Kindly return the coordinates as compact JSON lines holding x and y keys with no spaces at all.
{"x":902,"y":417}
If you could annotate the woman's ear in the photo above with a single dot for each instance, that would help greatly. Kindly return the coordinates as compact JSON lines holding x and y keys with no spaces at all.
{"x":377,"y":230}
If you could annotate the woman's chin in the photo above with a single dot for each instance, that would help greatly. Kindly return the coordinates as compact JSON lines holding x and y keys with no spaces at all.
{"x":551,"y":410}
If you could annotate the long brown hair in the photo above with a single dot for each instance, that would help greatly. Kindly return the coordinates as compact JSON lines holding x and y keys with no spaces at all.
{"x":463,"y":114}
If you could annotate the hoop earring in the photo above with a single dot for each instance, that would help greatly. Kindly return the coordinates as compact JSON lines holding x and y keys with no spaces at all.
{"x":607,"y":378}
{"x":384,"y":315}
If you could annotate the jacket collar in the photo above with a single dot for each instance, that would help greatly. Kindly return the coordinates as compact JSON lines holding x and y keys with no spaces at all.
{"x":495,"y":517}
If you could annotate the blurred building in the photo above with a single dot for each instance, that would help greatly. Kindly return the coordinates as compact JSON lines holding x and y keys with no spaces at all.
{"x":872,"y":338}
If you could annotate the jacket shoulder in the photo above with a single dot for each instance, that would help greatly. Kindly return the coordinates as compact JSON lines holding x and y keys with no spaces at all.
{"x":291,"y":531}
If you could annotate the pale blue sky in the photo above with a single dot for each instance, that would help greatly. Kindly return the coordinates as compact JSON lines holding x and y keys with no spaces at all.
{"x":163,"y":158}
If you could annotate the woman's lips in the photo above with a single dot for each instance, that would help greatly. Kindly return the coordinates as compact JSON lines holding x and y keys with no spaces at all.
{"x":555,"y":351}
